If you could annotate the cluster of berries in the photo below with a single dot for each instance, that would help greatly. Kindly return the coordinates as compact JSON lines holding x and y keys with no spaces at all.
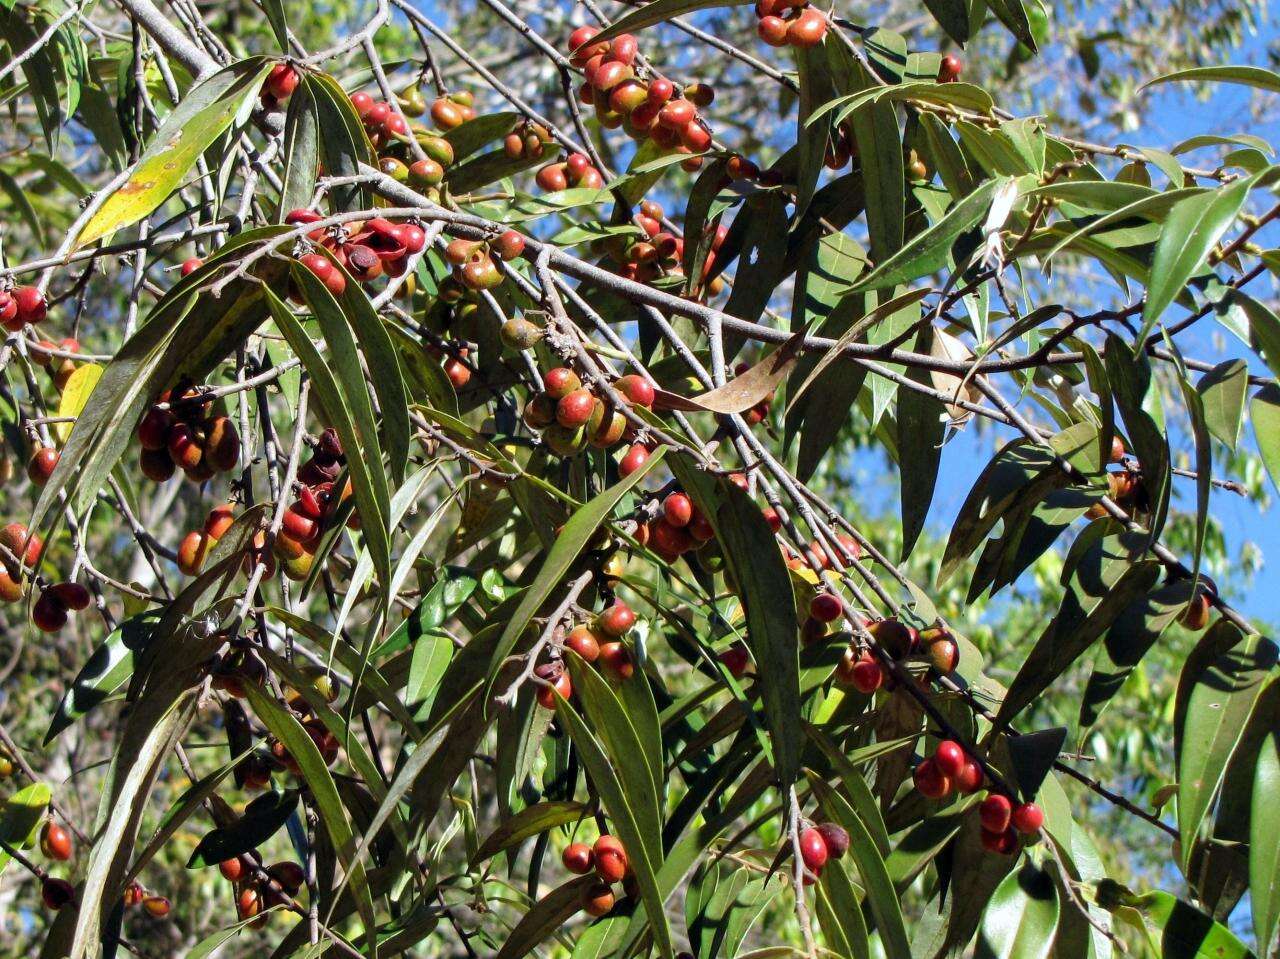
{"x":794,"y":23}
{"x":473,"y":260}
{"x":607,"y":858}
{"x":575,"y":170}
{"x":367,"y":249}
{"x":23,"y":546}
{"x":390,"y":132}
{"x":184,"y":430}
{"x":529,"y":139}
{"x":599,"y":641}
{"x":646,"y":108}
{"x":571,"y":417}
{"x":49,"y":613}
{"x":20,"y":307}
{"x":818,"y":845}
{"x":1002,"y":820}
{"x":256,"y":894}
{"x":279,"y":86}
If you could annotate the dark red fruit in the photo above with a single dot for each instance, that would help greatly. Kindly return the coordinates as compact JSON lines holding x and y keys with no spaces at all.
{"x":931,"y":781}
{"x":55,"y":842}
{"x":677,"y":509}
{"x":950,"y":68}
{"x":836,"y":838}
{"x":1027,"y":818}
{"x":1003,"y":843}
{"x":578,"y":858}
{"x":56,"y":893}
{"x":617,"y":620}
{"x":995,"y":813}
{"x":813,"y":849}
{"x":969,"y":779}
{"x":583,"y":642}
{"x":71,"y":595}
{"x":611,"y":861}
{"x":826,"y":607}
{"x":950,"y":757}
{"x":42,"y":464}
{"x":48,"y":614}
{"x":736,"y":659}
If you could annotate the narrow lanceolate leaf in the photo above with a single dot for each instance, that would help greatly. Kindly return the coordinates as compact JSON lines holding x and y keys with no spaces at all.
{"x":1190,"y":231}
{"x":921,"y":426}
{"x":1264,"y":844}
{"x":617,"y":803}
{"x":202,"y":116}
{"x":301,"y":150}
{"x":1204,"y":464}
{"x":261,"y":820}
{"x":755,"y":563}
{"x":1021,"y":918}
{"x":1255,"y":77}
{"x":75,"y":395}
{"x":541,"y":923}
{"x":952,"y":16}
{"x":1219,"y":701}
{"x":840,"y":914}
{"x":104,"y":672}
{"x":929,"y":251}
{"x":285,"y":727}
{"x":20,"y":817}
{"x":568,"y":545}
{"x":528,"y":822}
{"x":881,"y":895}
{"x":337,"y":393}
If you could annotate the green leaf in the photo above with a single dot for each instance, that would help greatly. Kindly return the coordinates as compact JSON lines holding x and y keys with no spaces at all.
{"x":196,"y":122}
{"x":755,"y":564}
{"x":921,"y":427}
{"x":952,"y":16}
{"x":545,"y":918}
{"x":335,"y":392}
{"x":104,"y":672}
{"x":468,"y":137}
{"x":928,"y":252}
{"x":1255,"y":77}
{"x":1185,"y":932}
{"x":1204,"y":463}
{"x":840,"y":914}
{"x":572,"y":540}
{"x":530,"y":821}
{"x":261,"y":820}
{"x":343,"y":143}
{"x":21,"y":816}
{"x":1219,"y":699}
{"x":1013,"y":14}
{"x":328,"y":803}
{"x":1191,"y":230}
{"x":881,"y":895}
{"x":1021,"y":918}
{"x":1223,"y":391}
{"x":300,"y":147}
{"x":1264,"y":412}
{"x":1264,"y":844}
{"x":644,"y":863}
{"x":274,"y":10}
{"x":657,"y":12}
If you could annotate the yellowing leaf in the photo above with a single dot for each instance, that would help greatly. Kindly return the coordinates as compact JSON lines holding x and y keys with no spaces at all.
{"x":75,"y":395}
{"x":184,"y":135}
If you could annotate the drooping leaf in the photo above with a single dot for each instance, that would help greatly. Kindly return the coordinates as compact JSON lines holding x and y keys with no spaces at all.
{"x":1264,"y":844}
{"x":1021,"y":918}
{"x":261,"y":820}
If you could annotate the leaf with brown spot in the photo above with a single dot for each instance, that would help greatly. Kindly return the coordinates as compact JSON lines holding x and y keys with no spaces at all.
{"x":742,"y":392}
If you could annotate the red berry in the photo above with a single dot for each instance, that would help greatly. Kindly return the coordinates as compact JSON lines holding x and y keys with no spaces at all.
{"x":55,"y":842}
{"x":677,"y":114}
{"x":736,"y":659}
{"x":813,"y":849}
{"x":611,"y":860}
{"x":191,"y":265}
{"x":1000,"y":842}
{"x":995,"y":813}
{"x":836,"y":838}
{"x":597,"y":899}
{"x":615,"y":658}
{"x":950,"y":68}
{"x":677,"y":509}
{"x":560,"y":382}
{"x":867,"y":676}
{"x":1027,"y":818}
{"x":969,"y":779}
{"x":634,"y":458}
{"x":578,"y":858}
{"x":71,"y":595}
{"x":637,"y":390}
{"x":660,"y":90}
{"x":48,"y":614}
{"x":32,"y":306}
{"x":826,"y":607}
{"x":282,"y":81}
{"x":931,"y":781}
{"x":57,"y":893}
{"x":574,"y":408}
{"x":583,"y":642}
{"x":950,"y":757}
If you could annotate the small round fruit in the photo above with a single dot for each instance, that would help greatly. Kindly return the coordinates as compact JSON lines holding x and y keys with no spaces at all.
{"x":32,"y":306}
{"x":931,"y":781}
{"x":578,"y":858}
{"x":661,"y":90}
{"x":185,"y":446}
{"x":282,"y":81}
{"x":813,"y":849}
{"x":42,"y":464}
{"x":222,"y":444}
{"x":55,"y":842}
{"x":70,"y":595}
{"x":836,"y":838}
{"x":233,"y":869}
{"x":941,"y":649}
{"x":677,"y":509}
{"x":1004,"y":842}
{"x":56,"y":893}
{"x":617,"y":620}
{"x":189,"y":266}
{"x":950,"y":68}
{"x":611,"y":862}
{"x":969,"y":779}
{"x":638,"y":390}
{"x":634,"y":458}
{"x":509,"y":245}
{"x":153,"y":429}
{"x":16,"y":538}
{"x":677,"y":114}
{"x":894,"y":636}
{"x":1117,"y":449}
{"x":995,"y":813}
{"x":219,"y":520}
{"x":560,"y":381}
{"x":48,"y":614}
{"x":583,"y":642}
{"x":950,"y":757}
{"x":288,"y":874}
{"x":192,"y":551}
{"x":616,"y":660}
{"x":575,"y":408}
{"x":808,"y":29}
{"x":597,"y":899}
{"x":826,"y":607}
{"x":1027,"y":818}
{"x":446,"y":114}
{"x":736,"y":659}
{"x":565,"y":441}
{"x":772,"y":30}
{"x":10,"y":590}
{"x":157,"y":465}
{"x":157,"y":907}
